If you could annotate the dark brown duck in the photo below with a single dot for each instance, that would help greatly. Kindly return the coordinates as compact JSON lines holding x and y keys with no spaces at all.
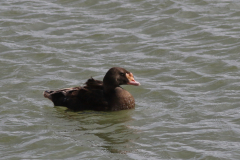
{"x":106,"y":95}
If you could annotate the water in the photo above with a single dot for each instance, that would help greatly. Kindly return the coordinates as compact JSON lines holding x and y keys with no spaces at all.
{"x":184,"y":53}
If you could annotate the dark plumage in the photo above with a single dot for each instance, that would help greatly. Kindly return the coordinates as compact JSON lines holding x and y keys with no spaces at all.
{"x":106,"y":95}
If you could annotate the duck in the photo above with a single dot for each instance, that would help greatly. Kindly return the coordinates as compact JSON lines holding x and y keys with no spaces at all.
{"x":106,"y":95}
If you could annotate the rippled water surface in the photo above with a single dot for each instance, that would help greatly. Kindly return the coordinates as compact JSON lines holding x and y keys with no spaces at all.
{"x":184,"y":53}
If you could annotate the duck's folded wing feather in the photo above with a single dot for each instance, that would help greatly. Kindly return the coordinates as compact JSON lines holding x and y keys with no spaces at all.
{"x":79,"y":98}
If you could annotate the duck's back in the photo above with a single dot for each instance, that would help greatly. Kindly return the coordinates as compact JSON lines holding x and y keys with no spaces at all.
{"x":89,"y":97}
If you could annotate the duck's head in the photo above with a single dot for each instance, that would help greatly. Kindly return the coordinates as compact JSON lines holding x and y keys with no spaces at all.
{"x":117,"y":76}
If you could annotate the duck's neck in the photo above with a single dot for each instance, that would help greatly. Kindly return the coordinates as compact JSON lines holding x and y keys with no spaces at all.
{"x":109,"y":90}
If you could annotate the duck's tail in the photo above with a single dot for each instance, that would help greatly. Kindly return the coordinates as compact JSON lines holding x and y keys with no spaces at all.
{"x":59,"y":97}
{"x":56,"y":97}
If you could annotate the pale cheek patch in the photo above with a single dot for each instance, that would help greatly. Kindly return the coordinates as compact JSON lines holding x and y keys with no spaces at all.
{"x":130,"y":76}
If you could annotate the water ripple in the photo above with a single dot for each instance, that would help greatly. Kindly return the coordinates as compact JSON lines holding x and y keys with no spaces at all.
{"x":185,"y":54}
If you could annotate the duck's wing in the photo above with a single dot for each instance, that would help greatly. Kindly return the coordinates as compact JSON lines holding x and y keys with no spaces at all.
{"x":89,"y":97}
{"x":94,"y":84}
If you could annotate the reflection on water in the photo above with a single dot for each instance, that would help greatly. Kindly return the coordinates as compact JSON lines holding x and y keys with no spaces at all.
{"x":111,"y":128}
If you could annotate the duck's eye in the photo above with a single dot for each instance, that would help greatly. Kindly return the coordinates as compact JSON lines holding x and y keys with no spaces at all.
{"x":122,"y":74}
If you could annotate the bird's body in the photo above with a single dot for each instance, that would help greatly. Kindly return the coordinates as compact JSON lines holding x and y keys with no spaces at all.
{"x":106,"y":95}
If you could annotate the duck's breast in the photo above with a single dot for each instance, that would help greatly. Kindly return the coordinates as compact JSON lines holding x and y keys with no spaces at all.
{"x":121,"y":100}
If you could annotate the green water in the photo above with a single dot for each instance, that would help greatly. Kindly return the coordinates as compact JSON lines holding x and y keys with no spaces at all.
{"x":184,"y":53}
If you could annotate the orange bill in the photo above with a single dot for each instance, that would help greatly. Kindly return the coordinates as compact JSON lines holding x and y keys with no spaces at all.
{"x":132,"y":80}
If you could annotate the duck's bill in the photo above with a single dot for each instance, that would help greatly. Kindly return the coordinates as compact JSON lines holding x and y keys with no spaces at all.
{"x":135,"y":83}
{"x":132,"y":80}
